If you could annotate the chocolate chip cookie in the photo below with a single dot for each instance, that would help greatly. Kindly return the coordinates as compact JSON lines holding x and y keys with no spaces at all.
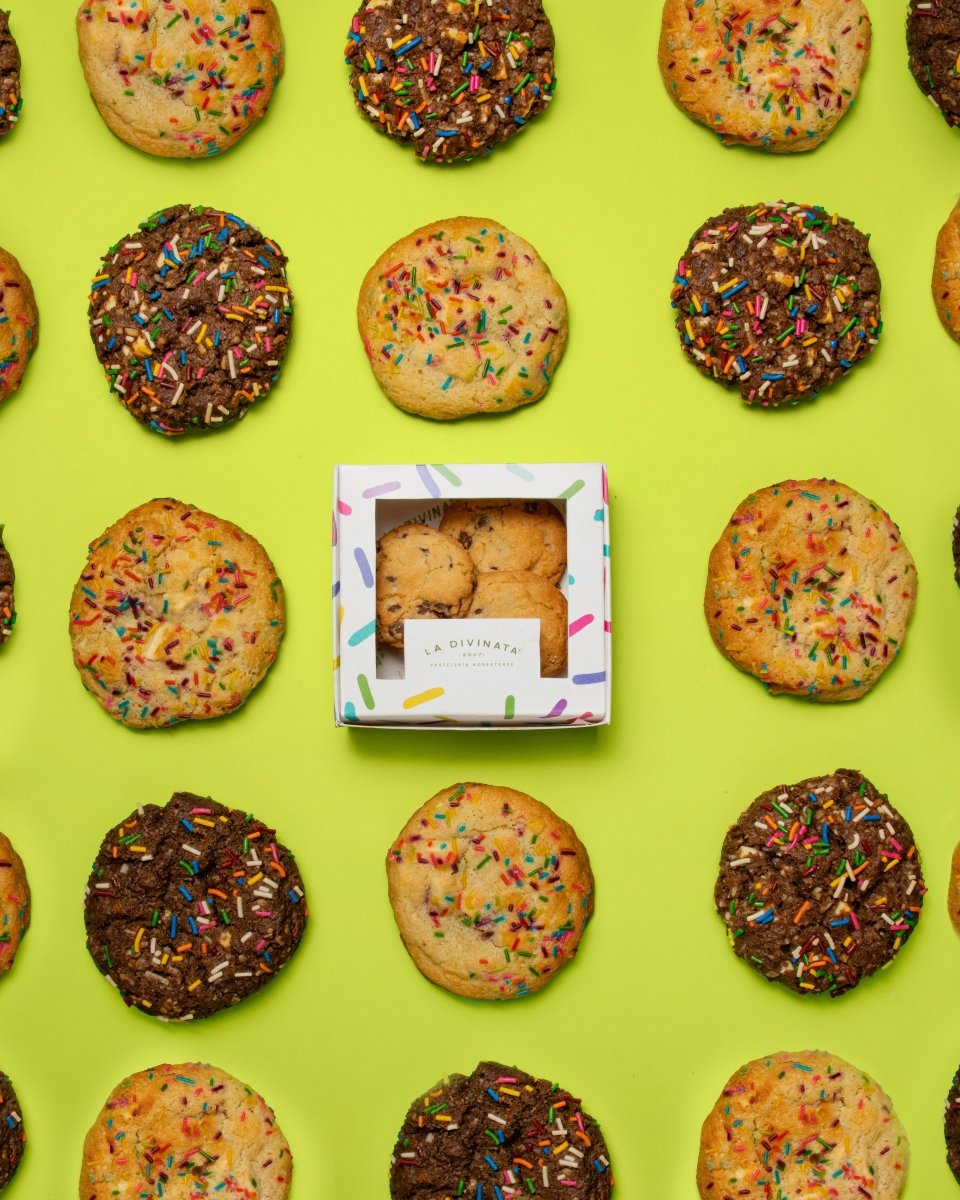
{"x":777,"y":300}
{"x":525,"y":594}
{"x":422,"y":575}
{"x":510,"y":535}
{"x":190,"y":318}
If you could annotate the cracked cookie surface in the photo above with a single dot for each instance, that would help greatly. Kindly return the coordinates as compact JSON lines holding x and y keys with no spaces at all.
{"x":423,"y":575}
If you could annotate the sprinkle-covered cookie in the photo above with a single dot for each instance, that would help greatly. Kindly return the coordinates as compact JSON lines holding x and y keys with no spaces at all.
{"x":462,"y":317}
{"x":8,"y":608}
{"x":177,"y":616}
{"x":945,"y":284}
{"x":181,"y":1132}
{"x":13,"y":1137}
{"x":777,"y":300}
{"x":511,"y":594}
{"x":422,"y":575}
{"x":499,"y":1129}
{"x":802,"y":1124}
{"x":933,"y":47}
{"x":192,"y":907}
{"x":510,"y":535}
{"x":452,"y":79}
{"x":820,"y":883}
{"x":190,"y":317}
{"x":19,"y":324}
{"x":14,"y":903}
{"x":180,"y":80}
{"x":10,"y":99}
{"x":810,"y":589}
{"x":491,"y":891}
{"x":761,"y":73}
{"x":951,"y":1126}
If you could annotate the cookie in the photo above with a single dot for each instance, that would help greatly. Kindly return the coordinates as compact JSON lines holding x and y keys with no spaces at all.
{"x":803,"y":1123}
{"x":453,"y":80}
{"x":523,"y":594}
{"x":422,"y":575}
{"x":933,"y":46}
{"x":945,"y":284}
{"x":12,"y":1135}
{"x":10,"y":99}
{"x":19,"y":324}
{"x":510,"y":535}
{"x":14,"y":904}
{"x":953,"y":896}
{"x":758,"y":74}
{"x":190,"y":318}
{"x":810,"y":589}
{"x":462,"y":317}
{"x":177,"y":616}
{"x":777,"y":300}
{"x":820,"y":883}
{"x":951,"y":1126}
{"x":8,"y":608}
{"x":177,"y":80}
{"x":499,"y":1129}
{"x":192,"y":907}
{"x":491,"y":891}
{"x":183,"y":1131}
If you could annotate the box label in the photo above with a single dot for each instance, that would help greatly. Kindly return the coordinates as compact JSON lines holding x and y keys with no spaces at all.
{"x":432,"y":647}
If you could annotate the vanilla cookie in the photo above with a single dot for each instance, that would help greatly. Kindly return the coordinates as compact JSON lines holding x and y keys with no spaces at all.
{"x":422,"y":575}
{"x":491,"y":891}
{"x":181,"y":1132}
{"x":810,"y":589}
{"x":14,"y":903}
{"x":19,"y":324}
{"x":523,"y":594}
{"x":802,"y":1124}
{"x":183,"y":80}
{"x":10,"y":99}
{"x":763,"y":74}
{"x":177,"y":616}
{"x":454,"y":79}
{"x":945,"y":285}
{"x":462,"y":317}
{"x":510,"y":535}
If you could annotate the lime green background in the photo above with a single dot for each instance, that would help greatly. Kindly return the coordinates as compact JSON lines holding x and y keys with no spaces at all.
{"x":656,"y":1012}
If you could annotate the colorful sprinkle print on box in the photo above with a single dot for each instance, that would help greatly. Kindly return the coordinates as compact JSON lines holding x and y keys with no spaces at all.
{"x":177,"y":616}
{"x":820,"y":883}
{"x":182,"y":1132}
{"x":180,"y":78}
{"x":763,"y":73}
{"x":777,"y":300}
{"x":192,"y":907}
{"x":491,"y":891}
{"x":810,"y":589}
{"x":499,"y":1133}
{"x":802,"y":1124}
{"x":190,"y":318}
{"x":451,"y":79}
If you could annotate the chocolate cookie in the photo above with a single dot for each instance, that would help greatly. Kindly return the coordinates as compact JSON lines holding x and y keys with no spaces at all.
{"x":12,"y":1135}
{"x":10,"y":99}
{"x":8,"y":609}
{"x":761,"y":75}
{"x":177,"y":616}
{"x":19,"y":322}
{"x":462,"y":317}
{"x":491,"y":891}
{"x":499,"y":1130}
{"x":177,"y":80}
{"x":933,"y":46}
{"x":810,"y":589}
{"x":951,"y":1126}
{"x":510,"y":535}
{"x":181,"y":1132}
{"x":524,"y":594}
{"x":802,"y":1124}
{"x":956,"y":546}
{"x":190,"y":318}
{"x":953,"y":895}
{"x":820,"y":883}
{"x":422,"y":575}
{"x":192,"y":907}
{"x":452,"y":79}
{"x":777,"y":300}
{"x":14,"y":903}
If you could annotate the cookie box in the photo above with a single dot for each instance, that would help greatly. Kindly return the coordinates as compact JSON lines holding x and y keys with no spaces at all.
{"x":469,"y":672}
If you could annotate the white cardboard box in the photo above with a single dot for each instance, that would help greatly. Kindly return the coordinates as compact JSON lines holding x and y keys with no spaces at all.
{"x":463,"y":674}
